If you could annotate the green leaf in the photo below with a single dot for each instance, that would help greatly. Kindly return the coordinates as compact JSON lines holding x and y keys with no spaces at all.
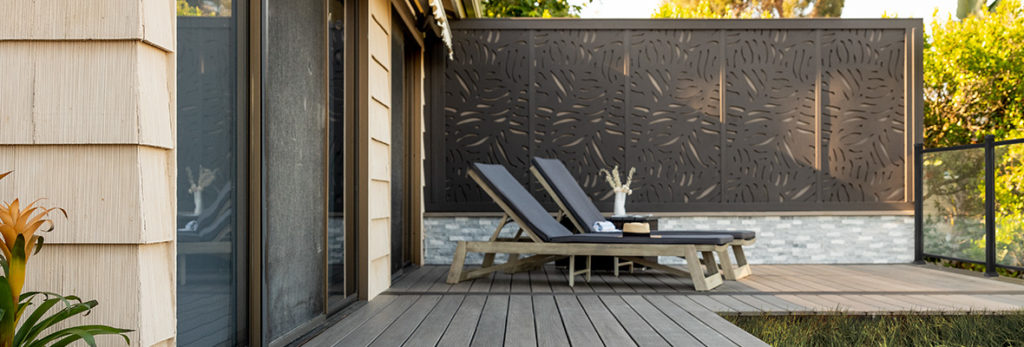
{"x":30,"y":322}
{"x":39,"y":245}
{"x":7,"y":321}
{"x":58,"y":317}
{"x":66,"y":336}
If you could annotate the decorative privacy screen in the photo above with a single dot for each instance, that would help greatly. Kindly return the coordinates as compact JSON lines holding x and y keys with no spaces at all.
{"x":716,"y":115}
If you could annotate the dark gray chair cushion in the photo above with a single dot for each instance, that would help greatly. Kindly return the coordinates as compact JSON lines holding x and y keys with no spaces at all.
{"x":736,"y":234}
{"x":530,"y":212}
{"x":707,"y":239}
{"x":522,"y":204}
{"x":569,"y":192}
{"x":582,"y":208}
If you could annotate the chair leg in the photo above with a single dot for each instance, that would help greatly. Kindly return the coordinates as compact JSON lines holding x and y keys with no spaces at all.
{"x":455,"y":272}
{"x":728,"y":271}
{"x":588,"y":269}
{"x":742,"y":267}
{"x":709,"y":262}
{"x":572,"y":270}
{"x":701,"y":282}
{"x":617,"y":264}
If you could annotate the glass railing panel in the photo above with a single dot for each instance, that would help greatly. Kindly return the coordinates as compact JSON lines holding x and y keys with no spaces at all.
{"x":954,"y":203}
{"x":1009,"y":186}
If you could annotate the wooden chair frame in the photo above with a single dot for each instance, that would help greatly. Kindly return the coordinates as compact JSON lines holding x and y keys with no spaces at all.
{"x":740,"y":270}
{"x":543,"y":252}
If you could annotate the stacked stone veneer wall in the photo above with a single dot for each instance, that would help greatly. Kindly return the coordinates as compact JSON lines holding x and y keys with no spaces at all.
{"x":781,"y":239}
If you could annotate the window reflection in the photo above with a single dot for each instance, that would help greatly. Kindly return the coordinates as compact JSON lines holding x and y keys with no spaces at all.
{"x":336,"y":206}
{"x":209,"y":258}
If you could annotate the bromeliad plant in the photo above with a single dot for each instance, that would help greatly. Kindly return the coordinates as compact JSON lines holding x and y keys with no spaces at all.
{"x":18,"y":227}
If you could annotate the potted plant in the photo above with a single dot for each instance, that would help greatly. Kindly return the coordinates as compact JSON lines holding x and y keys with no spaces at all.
{"x":620,"y":189}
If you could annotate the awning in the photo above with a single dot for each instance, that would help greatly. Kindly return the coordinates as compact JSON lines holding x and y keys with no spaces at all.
{"x":442,"y":22}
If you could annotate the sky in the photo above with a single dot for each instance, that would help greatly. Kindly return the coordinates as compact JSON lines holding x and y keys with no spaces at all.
{"x":853,"y":8}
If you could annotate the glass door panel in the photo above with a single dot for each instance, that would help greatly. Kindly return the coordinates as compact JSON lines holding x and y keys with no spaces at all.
{"x":211,"y":111}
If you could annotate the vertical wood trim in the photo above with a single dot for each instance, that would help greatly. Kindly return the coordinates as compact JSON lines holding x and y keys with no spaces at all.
{"x":415,"y":163}
{"x":908,"y":107}
{"x":626,"y":107}
{"x":325,"y":21}
{"x":915,"y":118}
{"x":721,"y":115}
{"x":255,"y":175}
{"x":349,"y":147}
{"x":531,"y":101}
{"x":362,"y":56}
{"x":818,"y":118}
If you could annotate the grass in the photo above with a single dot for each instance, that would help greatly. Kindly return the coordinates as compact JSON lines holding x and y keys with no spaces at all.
{"x":973,"y":267}
{"x":901,"y":330}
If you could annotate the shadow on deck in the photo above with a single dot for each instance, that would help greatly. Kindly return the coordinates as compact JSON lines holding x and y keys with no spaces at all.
{"x":647,"y":308}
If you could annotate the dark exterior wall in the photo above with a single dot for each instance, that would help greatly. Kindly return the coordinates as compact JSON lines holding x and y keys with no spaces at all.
{"x":716,"y":115}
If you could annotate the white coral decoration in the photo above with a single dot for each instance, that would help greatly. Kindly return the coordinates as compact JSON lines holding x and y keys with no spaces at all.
{"x":615,"y":181}
{"x":206,"y":177}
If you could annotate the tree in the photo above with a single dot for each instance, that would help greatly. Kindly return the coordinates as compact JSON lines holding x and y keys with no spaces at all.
{"x":973,"y":70}
{"x":748,"y":8}
{"x":530,"y":8}
{"x":973,"y":75}
{"x":966,"y":8}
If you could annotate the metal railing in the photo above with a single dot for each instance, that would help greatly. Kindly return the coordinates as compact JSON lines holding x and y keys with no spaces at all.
{"x":956,"y":214}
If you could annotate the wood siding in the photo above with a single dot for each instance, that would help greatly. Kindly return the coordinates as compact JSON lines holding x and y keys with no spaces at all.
{"x":378,"y":149}
{"x":87,"y":121}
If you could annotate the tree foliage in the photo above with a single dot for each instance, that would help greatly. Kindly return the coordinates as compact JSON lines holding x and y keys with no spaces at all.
{"x":530,"y":8}
{"x":973,"y":70}
{"x":965,"y":8}
{"x":748,"y":8}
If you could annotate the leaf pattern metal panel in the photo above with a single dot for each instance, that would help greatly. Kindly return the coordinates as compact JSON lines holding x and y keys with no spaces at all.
{"x":769,"y":140}
{"x":863,"y":115}
{"x":580,"y":90}
{"x":486,"y":110}
{"x":807,"y":118}
{"x":674,"y":124}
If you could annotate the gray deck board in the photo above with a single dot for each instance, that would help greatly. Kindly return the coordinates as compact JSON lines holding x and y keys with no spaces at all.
{"x":373,"y":327}
{"x":346,"y":326}
{"x":716,"y":322}
{"x":648,"y":308}
{"x":689,"y":322}
{"x":490,"y":330}
{"x":608,"y":327}
{"x":666,"y":328}
{"x":577,"y":326}
{"x":460,"y":331}
{"x":399,"y":331}
{"x":641,"y":332}
{"x":433,"y":326}
{"x":550,"y":328}
{"x":520,"y":328}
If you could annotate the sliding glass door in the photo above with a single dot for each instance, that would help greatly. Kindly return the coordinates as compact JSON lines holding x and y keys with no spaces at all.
{"x":211,"y":232}
{"x":264,"y":152}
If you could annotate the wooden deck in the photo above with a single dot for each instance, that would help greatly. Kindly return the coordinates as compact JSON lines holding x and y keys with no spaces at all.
{"x":648,"y":308}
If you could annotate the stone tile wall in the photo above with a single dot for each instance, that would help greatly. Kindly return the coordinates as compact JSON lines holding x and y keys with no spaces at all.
{"x":780,"y":239}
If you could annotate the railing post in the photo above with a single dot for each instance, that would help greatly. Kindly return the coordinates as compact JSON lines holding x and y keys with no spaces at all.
{"x":990,"y":206}
{"x":918,"y":205}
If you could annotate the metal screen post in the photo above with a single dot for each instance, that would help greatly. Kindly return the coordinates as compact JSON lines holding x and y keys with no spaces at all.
{"x":990,"y":206}
{"x":918,"y":206}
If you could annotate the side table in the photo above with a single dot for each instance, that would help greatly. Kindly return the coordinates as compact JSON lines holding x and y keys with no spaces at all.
{"x":619,"y":221}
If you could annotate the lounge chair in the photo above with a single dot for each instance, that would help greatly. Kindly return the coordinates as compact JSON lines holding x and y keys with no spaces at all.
{"x":580,"y":209}
{"x":547,"y":240}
